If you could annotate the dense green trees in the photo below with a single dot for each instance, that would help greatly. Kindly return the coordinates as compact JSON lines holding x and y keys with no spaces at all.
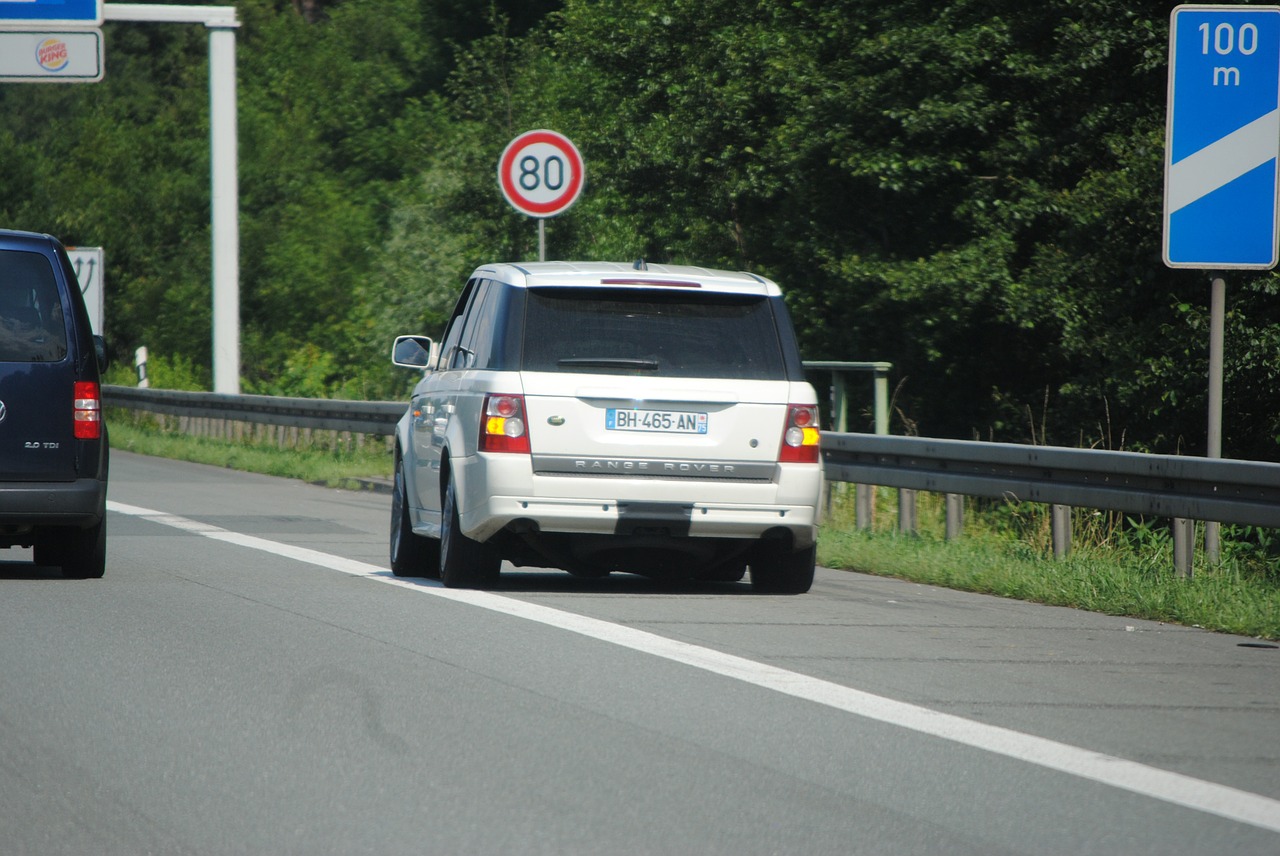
{"x":971,"y":190}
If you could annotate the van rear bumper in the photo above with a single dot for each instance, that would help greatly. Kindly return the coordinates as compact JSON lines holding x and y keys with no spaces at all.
{"x":78,"y":503}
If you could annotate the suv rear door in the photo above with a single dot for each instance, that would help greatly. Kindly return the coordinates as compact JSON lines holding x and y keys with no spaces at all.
{"x":691,"y":380}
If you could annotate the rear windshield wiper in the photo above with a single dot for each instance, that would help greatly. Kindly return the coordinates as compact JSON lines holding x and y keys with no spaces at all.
{"x":608,"y":363}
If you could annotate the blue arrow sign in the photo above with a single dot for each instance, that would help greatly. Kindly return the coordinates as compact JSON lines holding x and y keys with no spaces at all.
{"x":1223,"y":137}
{"x":44,"y":13}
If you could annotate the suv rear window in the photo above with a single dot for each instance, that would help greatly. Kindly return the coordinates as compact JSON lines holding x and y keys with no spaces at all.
{"x":668,"y":333}
{"x":32,"y":329}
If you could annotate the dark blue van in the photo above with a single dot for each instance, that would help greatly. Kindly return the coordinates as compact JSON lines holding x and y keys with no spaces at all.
{"x":53,"y":443}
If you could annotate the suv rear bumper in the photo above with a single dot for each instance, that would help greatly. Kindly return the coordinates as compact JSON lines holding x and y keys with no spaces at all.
{"x":498,"y":490}
{"x":78,"y":503}
{"x":609,"y":517}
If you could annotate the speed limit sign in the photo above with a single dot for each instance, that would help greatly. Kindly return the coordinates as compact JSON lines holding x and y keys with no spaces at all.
{"x":541,"y":173}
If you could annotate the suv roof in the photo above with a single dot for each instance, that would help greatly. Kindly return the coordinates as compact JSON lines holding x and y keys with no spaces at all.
{"x":639,"y":274}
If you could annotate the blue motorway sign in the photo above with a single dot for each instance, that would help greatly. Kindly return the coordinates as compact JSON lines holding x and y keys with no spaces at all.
{"x":1223,"y":138}
{"x":45,"y":13}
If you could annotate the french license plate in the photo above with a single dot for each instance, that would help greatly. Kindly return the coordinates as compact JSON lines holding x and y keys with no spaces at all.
{"x":658,"y":421}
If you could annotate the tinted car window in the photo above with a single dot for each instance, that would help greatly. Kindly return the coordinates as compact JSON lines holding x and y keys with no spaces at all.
{"x":479,"y":325}
{"x":32,"y":326}
{"x":498,"y":345}
{"x":453,"y":332}
{"x":669,"y":333}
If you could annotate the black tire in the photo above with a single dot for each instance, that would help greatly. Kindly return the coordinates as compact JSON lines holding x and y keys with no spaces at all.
{"x":411,"y":554}
{"x":464,"y":563}
{"x":84,"y":551}
{"x":776,"y":570}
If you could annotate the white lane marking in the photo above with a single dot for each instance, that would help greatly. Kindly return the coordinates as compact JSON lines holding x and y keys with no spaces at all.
{"x":1222,"y":162}
{"x":1186,"y":791}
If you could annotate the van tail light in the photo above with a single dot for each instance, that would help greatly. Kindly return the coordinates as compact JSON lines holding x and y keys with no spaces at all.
{"x":800,"y":436}
{"x":502,"y":425}
{"x":88,"y":410}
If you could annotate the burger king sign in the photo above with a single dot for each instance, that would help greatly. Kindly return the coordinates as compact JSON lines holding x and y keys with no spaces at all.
{"x":51,"y":54}
{"x":31,"y":56}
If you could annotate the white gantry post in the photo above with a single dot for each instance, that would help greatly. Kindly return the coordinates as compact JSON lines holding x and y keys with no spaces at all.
{"x":222,"y":24}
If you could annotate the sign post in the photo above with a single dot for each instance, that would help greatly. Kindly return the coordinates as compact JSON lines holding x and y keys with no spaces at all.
{"x":1222,"y":186}
{"x":541,"y":174}
{"x":20,"y":19}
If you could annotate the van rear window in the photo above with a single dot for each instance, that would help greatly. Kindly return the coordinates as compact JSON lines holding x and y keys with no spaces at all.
{"x":32,"y":327}
{"x":654,"y":333}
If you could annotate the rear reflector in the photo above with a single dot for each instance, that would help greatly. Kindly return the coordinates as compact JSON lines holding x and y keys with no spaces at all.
{"x":88,"y":410}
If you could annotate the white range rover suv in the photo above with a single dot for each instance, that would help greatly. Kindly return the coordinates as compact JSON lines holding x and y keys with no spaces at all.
{"x":600,"y":417}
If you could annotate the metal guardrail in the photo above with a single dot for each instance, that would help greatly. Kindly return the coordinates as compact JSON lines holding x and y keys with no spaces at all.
{"x":1227,"y":491}
{"x":364,"y":417}
{"x":1183,"y":488}
{"x":380,"y":417}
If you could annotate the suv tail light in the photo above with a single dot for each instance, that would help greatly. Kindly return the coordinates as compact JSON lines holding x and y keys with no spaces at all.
{"x":502,"y":425}
{"x":800,"y":437}
{"x":88,"y":410}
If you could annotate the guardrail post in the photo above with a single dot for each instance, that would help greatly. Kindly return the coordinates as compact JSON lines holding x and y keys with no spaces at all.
{"x":1060,"y":530}
{"x":863,"y":501}
{"x":1184,"y":546}
{"x":955,"y":515}
{"x":906,"y":511}
{"x":882,"y":397}
{"x":840,"y":422}
{"x":839,"y":402}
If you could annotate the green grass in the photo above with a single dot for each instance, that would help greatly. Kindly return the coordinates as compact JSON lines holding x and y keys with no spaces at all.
{"x":333,"y":467}
{"x":1122,"y":568}
{"x":1117,"y":566}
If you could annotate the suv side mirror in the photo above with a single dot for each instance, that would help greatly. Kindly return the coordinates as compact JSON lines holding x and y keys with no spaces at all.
{"x":414,"y":352}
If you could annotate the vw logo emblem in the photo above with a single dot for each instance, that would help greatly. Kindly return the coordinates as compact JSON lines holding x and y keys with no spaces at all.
{"x":4,"y":411}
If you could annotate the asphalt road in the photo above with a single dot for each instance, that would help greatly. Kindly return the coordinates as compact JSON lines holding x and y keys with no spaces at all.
{"x":248,"y":678}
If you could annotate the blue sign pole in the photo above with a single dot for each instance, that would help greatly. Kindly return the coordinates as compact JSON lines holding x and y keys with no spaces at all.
{"x":1222,"y":150}
{"x":1223,"y":138}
